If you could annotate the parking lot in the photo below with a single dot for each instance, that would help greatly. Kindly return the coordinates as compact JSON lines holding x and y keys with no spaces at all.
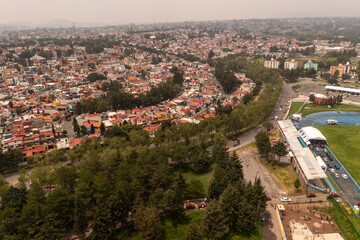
{"x":349,"y":191}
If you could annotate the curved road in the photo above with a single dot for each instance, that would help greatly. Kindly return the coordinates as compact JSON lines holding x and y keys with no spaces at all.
{"x":286,"y":94}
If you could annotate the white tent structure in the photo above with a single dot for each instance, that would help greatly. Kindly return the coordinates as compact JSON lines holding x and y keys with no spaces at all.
{"x":311,"y":133}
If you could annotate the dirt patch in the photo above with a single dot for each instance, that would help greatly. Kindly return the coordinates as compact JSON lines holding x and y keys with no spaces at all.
{"x":301,"y":219}
{"x":346,"y":207}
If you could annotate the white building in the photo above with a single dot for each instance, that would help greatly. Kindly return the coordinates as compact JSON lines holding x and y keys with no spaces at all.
{"x":349,"y":69}
{"x":271,"y":64}
{"x":290,"y":65}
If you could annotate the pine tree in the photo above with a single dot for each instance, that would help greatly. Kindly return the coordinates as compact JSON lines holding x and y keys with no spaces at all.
{"x":214,"y":221}
{"x":193,"y":232}
{"x":102,"y":128}
{"x":76,"y":127}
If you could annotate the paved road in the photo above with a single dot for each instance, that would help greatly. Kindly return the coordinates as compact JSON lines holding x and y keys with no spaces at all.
{"x":349,"y":191}
{"x":253,"y":169}
{"x":286,"y":94}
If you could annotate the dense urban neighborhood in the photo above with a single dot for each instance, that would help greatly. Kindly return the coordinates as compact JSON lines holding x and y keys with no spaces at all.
{"x":231,"y":129}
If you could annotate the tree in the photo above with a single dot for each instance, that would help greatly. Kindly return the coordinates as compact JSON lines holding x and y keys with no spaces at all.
{"x":346,"y":77}
{"x":211,"y":54}
{"x":173,"y":206}
{"x":18,"y":111}
{"x":92,"y":129}
{"x":76,"y":127}
{"x":247,"y":98}
{"x":195,"y":189}
{"x":274,"y":49}
{"x":263,"y":144}
{"x":339,"y":99}
{"x":214,"y":221}
{"x":53,"y":130}
{"x":312,"y":98}
{"x":14,"y":198}
{"x":147,"y":222}
{"x":268,"y":125}
{"x":193,"y":232}
{"x":199,"y":160}
{"x":279,"y":149}
{"x":91,"y":65}
{"x":84,"y":131}
{"x":93,"y":77}
{"x":11,"y":105}
{"x":102,"y":128}
{"x":297,"y":184}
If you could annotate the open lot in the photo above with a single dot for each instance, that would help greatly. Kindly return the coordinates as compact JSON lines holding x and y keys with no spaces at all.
{"x":343,"y":142}
{"x":301,"y":221}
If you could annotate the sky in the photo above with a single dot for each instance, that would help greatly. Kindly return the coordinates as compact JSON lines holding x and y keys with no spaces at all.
{"x":155,"y":11}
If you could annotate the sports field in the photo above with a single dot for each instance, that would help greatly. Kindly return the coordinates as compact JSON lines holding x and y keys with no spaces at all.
{"x":344,"y":143}
{"x":311,"y":108}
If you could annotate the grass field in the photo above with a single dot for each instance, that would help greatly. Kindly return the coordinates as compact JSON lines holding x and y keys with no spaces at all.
{"x":344,"y":143}
{"x":178,"y":232}
{"x":321,"y":108}
{"x":205,"y":178}
{"x":295,"y":106}
{"x":285,"y":174}
{"x":349,"y":233}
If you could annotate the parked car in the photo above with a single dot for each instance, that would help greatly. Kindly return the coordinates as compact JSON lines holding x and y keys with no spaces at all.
{"x":190,"y":206}
{"x":285,"y":199}
{"x":332,"y":170}
{"x":336,"y":166}
{"x":309,"y":195}
{"x":268,"y":198}
{"x":334,"y":194}
{"x":345,"y":176}
{"x":50,"y":186}
{"x":201,"y":205}
{"x":337,"y":175}
{"x":227,"y":148}
{"x":234,"y":139}
{"x":321,"y":145}
{"x":329,"y":165}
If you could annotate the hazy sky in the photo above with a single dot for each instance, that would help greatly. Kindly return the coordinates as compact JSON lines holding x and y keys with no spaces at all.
{"x":144,"y":11}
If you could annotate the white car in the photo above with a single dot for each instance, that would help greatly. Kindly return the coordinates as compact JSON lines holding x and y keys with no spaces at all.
{"x":332,"y":170}
{"x":345,"y":176}
{"x":285,"y":199}
{"x":336,"y":175}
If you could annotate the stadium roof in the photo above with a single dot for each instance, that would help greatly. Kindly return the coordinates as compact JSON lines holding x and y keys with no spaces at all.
{"x":311,"y":133}
{"x":304,"y":157}
{"x":343,"y":89}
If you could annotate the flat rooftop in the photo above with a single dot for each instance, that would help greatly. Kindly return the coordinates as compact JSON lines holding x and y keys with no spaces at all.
{"x":306,"y":160}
